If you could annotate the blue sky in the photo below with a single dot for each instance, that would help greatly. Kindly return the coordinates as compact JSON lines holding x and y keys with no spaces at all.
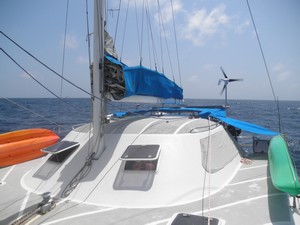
{"x":210,"y":34}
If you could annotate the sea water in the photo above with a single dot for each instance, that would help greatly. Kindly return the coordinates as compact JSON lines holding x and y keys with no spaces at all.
{"x":61,"y":116}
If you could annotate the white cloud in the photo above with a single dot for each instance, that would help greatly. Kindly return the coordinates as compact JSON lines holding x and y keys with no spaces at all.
{"x":242,"y":27}
{"x":166,"y":11}
{"x":202,"y":24}
{"x":196,"y":26}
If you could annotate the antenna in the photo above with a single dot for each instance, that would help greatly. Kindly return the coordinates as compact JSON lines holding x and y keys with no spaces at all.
{"x":226,"y":80}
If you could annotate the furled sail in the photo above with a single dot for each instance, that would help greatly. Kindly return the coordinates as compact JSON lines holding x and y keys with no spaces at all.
{"x":122,"y":81}
{"x":114,"y":82}
{"x":109,"y":46}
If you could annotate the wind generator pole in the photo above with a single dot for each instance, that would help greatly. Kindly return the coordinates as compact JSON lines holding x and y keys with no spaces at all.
{"x":226,"y":96}
{"x":97,"y":79}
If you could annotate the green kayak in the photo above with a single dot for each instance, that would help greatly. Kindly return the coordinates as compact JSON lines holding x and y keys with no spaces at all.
{"x":283,"y":173}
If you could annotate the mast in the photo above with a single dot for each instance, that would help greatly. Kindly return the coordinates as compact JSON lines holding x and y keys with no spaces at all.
{"x":98,"y":78}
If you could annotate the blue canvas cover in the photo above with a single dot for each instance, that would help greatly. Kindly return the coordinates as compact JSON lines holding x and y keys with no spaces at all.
{"x":202,"y":112}
{"x":206,"y":112}
{"x":142,"y":81}
{"x":249,"y":127}
{"x":218,"y":113}
{"x":245,"y":126}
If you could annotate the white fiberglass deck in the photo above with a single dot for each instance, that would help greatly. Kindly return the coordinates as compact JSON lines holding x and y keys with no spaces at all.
{"x":104,"y":191}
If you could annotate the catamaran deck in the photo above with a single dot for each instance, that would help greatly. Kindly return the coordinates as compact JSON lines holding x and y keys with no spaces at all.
{"x":246,"y":199}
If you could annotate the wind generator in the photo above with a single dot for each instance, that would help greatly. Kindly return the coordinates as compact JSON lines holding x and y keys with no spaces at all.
{"x":226,"y":81}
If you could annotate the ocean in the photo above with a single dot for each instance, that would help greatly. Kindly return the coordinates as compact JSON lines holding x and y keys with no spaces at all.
{"x":23,"y":113}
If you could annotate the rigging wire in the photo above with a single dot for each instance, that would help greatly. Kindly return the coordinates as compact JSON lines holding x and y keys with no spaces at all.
{"x":76,"y":86}
{"x":88,"y":33}
{"x":142,"y":31}
{"x":90,"y":67}
{"x":160,"y":36}
{"x":42,"y":63}
{"x":176,"y":44}
{"x":123,"y":39}
{"x":138,"y":33}
{"x":64,"y":49}
{"x":22,"y":68}
{"x":29,"y":110}
{"x":265,"y":63}
{"x":117,"y":24}
{"x":155,"y":57}
{"x":162,"y":25}
{"x":167,"y":47}
{"x":148,"y":35}
{"x":63,"y":57}
{"x":46,"y":66}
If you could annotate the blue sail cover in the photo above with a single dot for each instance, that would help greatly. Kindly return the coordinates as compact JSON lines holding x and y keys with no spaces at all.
{"x":142,"y":81}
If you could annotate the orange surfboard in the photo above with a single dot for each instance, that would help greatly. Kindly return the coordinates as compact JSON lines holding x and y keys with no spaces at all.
{"x":23,"y":145}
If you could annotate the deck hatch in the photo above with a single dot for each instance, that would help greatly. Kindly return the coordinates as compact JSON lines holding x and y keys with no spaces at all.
{"x":61,"y":150}
{"x":141,"y":152}
{"x":189,"y":219}
{"x":60,"y":147}
{"x":141,"y":157}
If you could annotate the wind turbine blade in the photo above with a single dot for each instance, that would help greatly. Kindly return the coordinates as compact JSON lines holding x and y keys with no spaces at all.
{"x":220,"y":80}
{"x":231,"y":80}
{"x":223,"y":89}
{"x":223,"y":72}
